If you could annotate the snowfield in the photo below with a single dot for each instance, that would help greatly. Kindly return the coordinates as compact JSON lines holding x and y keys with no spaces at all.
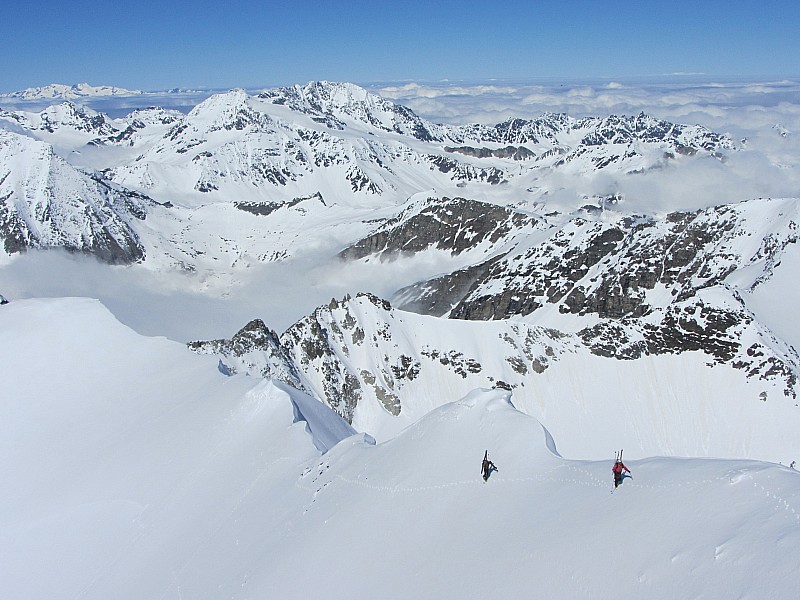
{"x":134,"y":468}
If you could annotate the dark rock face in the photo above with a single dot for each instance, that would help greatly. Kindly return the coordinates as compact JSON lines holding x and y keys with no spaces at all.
{"x":513,"y":152}
{"x":449,"y":224}
{"x":313,"y":343}
{"x":464,"y":172}
{"x":438,"y":296}
{"x":644,"y":279}
{"x":267,"y":208}
{"x":695,"y":326}
{"x":607,"y":269}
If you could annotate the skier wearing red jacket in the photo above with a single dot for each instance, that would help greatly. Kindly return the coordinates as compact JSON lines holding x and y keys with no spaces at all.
{"x":618,"y":469}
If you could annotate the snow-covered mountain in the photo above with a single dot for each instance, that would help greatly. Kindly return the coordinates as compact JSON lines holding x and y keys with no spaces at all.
{"x":46,"y":202}
{"x":544,"y":283}
{"x":135,"y":469}
{"x":59,"y":91}
{"x":383,"y":369}
{"x":638,"y":285}
{"x":311,"y":138}
{"x":65,"y":118}
{"x":303,"y":129}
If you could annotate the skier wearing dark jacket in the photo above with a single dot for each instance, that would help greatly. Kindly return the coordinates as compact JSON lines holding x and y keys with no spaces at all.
{"x":618,"y":469}
{"x":487,"y":466}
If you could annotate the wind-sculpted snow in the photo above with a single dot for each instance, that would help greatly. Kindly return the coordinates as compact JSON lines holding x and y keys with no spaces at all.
{"x":126,"y":455}
{"x":424,"y":487}
{"x":325,"y":426}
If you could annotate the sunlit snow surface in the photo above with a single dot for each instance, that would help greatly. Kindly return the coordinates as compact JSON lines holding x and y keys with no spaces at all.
{"x":132,"y":468}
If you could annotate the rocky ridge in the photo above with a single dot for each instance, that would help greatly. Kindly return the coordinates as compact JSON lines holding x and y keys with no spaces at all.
{"x":656,"y":286}
{"x":642,"y":286}
{"x":381,"y":368}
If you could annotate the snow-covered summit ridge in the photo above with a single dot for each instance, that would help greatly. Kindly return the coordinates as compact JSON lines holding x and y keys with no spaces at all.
{"x":334,"y":103}
{"x":229,"y":110}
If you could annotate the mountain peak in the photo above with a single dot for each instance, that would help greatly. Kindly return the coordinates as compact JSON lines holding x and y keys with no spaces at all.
{"x":336,"y":103}
{"x":228,"y":110}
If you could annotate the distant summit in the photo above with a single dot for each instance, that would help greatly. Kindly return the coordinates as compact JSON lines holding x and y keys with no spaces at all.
{"x":58,"y":91}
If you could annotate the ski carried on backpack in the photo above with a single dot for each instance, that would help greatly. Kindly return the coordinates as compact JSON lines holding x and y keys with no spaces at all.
{"x":617,"y":458}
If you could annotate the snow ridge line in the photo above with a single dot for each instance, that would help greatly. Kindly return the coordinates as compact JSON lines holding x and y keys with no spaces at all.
{"x":591,"y":480}
{"x":422,"y":488}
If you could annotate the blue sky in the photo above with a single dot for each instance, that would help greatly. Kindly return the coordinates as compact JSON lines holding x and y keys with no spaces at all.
{"x":158,"y":45}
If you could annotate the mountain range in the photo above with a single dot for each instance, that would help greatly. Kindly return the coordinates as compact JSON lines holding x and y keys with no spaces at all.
{"x":540,"y":276}
{"x":326,"y":145}
{"x":59,"y":91}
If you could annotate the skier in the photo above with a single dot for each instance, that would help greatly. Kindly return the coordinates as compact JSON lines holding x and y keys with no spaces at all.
{"x":487,"y":466}
{"x":618,"y":469}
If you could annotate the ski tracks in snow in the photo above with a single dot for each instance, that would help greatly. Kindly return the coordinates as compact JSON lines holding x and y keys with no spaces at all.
{"x":577,"y":474}
{"x":495,"y":479}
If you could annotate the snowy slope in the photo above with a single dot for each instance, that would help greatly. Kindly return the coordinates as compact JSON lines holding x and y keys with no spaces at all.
{"x":136,"y":470}
{"x":126,"y":454}
{"x":541,"y":526}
